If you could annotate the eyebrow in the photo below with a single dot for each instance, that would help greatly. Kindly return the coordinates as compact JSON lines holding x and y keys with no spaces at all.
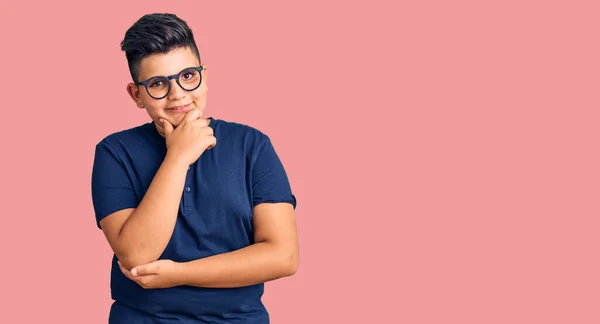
{"x":140,"y":79}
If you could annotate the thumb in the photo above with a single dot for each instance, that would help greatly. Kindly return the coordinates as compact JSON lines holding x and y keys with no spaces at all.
{"x":145,"y":269}
{"x":167,"y":126}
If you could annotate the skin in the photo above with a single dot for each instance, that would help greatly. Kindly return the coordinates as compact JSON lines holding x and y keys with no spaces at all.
{"x":139,"y":236}
{"x":169,"y":64}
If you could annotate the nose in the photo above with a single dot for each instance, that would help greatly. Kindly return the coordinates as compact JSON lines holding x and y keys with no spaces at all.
{"x":176,"y":91}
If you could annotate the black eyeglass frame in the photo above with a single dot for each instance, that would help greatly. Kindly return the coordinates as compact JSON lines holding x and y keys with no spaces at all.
{"x":168,"y":78}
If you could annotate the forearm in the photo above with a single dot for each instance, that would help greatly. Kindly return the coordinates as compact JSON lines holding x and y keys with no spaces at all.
{"x":257,"y":263}
{"x":147,"y":231}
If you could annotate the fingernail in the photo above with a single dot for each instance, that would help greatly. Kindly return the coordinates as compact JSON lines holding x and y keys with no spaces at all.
{"x":134,"y":272}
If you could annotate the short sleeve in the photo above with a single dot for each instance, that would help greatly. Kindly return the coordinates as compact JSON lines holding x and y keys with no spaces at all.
{"x":112,"y":189}
{"x":269,"y":179}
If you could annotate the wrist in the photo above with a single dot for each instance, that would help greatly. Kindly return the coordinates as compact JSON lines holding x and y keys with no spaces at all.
{"x":178,"y":274}
{"x":175,"y":162}
{"x":182,"y":273}
{"x":190,"y":273}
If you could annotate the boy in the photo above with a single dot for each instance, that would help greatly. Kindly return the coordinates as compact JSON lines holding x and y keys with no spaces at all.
{"x":198,"y":211}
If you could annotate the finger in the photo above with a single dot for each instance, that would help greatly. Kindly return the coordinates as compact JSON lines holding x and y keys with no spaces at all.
{"x":125,"y":271}
{"x":159,"y":127}
{"x":192,"y":115}
{"x":142,"y":281}
{"x":168,"y":127}
{"x":159,"y":124}
{"x":201,"y":122}
{"x":209,"y":131}
{"x":204,"y":122}
{"x":213,"y":142}
{"x":146,"y":269}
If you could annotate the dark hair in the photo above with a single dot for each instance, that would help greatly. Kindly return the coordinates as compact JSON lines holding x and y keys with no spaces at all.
{"x":155,"y":33}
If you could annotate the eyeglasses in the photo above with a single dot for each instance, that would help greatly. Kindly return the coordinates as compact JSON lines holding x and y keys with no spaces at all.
{"x":158,"y":87}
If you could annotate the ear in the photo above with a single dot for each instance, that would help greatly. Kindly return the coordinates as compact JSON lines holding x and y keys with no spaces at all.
{"x":205,"y":76}
{"x":134,"y":92}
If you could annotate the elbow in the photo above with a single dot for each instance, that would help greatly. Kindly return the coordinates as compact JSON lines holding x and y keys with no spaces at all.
{"x":290,"y":263}
{"x":130,"y":261}
{"x":291,"y":269}
{"x":127,"y":262}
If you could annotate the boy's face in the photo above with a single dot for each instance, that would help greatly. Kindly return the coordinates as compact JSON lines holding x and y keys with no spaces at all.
{"x":168,"y":64}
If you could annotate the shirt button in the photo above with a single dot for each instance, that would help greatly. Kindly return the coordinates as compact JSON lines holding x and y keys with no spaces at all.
{"x":188,"y":189}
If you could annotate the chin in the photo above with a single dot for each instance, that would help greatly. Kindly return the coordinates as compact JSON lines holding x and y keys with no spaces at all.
{"x":176,"y":123}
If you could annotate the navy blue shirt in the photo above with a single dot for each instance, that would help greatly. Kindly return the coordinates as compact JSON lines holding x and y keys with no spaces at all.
{"x":215,"y":216}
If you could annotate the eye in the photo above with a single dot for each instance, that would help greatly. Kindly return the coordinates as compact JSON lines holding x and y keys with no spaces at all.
{"x":189,"y":75}
{"x":156,"y":83}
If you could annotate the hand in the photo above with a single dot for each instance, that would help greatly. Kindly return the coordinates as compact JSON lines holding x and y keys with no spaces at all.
{"x":191,"y":137}
{"x":161,"y":129}
{"x":157,"y":274}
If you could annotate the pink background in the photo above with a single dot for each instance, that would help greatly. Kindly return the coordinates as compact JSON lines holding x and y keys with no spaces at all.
{"x":444,"y":154}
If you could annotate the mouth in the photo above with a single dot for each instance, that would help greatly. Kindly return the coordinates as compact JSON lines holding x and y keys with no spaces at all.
{"x":180,"y":109}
